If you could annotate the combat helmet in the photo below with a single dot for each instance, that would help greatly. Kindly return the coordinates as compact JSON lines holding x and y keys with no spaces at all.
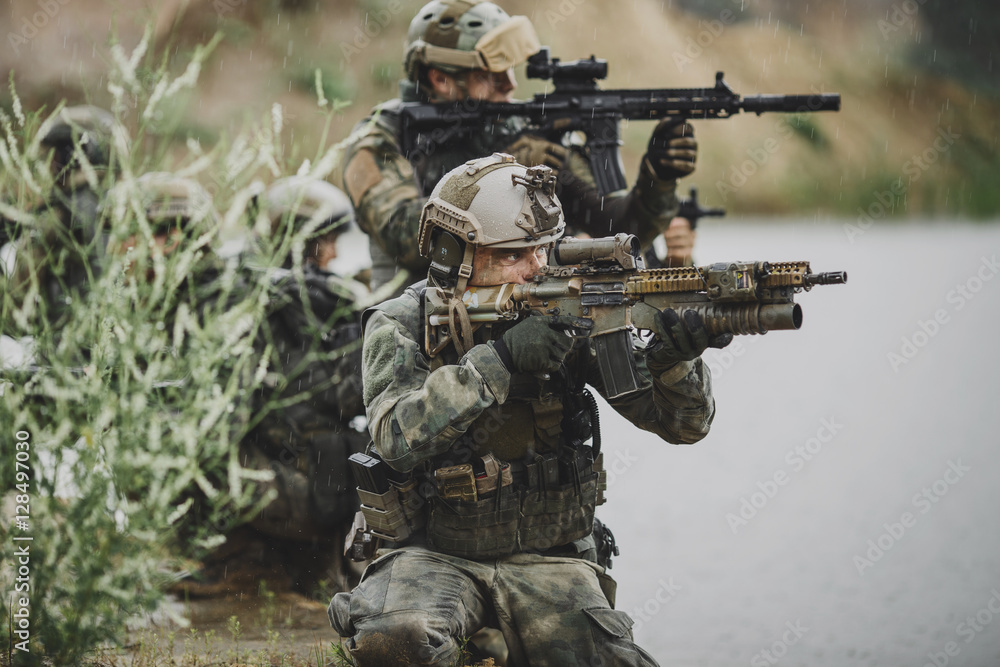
{"x":94,"y":129}
{"x":491,"y":202}
{"x":301,"y":201}
{"x":172,"y":201}
{"x":455,"y":35}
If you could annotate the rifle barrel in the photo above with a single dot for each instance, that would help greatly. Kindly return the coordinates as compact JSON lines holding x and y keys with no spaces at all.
{"x":791,"y":103}
{"x":828,"y":278}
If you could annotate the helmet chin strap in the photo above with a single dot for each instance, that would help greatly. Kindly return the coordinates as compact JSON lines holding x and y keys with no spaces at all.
{"x":458,"y":317}
{"x":451,"y":291}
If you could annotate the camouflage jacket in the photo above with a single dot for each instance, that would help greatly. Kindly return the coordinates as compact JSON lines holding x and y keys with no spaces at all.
{"x":64,"y":251}
{"x":418,"y":409}
{"x":315,"y":376}
{"x":388,"y":192}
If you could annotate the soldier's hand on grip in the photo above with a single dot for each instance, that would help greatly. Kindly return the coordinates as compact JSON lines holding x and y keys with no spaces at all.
{"x":683,"y":338}
{"x":532,"y":151}
{"x":539,"y":344}
{"x":672,"y":149}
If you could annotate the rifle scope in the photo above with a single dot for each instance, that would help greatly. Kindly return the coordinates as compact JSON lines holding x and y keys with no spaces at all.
{"x":621,"y":250}
{"x":541,"y":66}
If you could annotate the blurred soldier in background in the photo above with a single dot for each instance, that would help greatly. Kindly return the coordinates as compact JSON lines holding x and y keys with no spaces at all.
{"x":177,"y":212}
{"x":676,"y":246}
{"x":65,"y":249}
{"x":467,"y":49}
{"x":311,"y":395}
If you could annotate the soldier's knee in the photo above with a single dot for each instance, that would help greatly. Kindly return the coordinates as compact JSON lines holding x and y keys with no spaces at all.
{"x":403,"y":638}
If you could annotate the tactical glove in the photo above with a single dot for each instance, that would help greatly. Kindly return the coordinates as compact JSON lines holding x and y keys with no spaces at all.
{"x":672,"y":149}
{"x":540,"y":343}
{"x":532,"y":151}
{"x":683,"y":338}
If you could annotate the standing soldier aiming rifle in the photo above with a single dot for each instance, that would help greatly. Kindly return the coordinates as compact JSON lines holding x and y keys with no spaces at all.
{"x":465,"y":51}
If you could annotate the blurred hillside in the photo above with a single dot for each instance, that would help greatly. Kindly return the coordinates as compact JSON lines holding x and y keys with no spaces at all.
{"x":917,"y":134}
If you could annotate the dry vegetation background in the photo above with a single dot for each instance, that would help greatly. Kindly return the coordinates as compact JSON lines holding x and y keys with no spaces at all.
{"x":896,"y":64}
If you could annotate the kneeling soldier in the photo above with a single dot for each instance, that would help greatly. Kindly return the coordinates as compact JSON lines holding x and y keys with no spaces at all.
{"x":484,"y":431}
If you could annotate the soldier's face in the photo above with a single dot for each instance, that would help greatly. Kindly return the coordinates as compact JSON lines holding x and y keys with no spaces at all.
{"x":165,"y":242}
{"x":473,"y":85}
{"x":324,"y":251}
{"x":498,"y":266}
{"x":491,"y":86}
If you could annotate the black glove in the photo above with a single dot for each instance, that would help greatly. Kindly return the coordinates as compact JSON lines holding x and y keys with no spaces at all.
{"x":672,"y":149}
{"x":683,"y":339}
{"x":540,"y":343}
{"x":532,"y":151}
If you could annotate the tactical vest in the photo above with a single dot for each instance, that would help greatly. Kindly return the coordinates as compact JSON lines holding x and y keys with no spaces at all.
{"x":430,"y":164}
{"x":521,"y":478}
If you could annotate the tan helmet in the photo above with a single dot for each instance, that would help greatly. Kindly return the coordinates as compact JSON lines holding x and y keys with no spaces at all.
{"x":489,"y":202}
{"x":454,"y":35}
{"x":93,"y":128}
{"x":301,"y":201}
{"x":170,"y":200}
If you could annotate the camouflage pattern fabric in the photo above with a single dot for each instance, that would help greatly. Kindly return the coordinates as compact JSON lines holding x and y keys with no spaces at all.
{"x":315,"y":370}
{"x":416,"y":413}
{"x":64,"y":251}
{"x":412,"y":604}
{"x":388,"y":191}
{"x":555,"y":607}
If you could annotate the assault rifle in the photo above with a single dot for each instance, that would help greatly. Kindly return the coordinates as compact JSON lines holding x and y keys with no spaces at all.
{"x":576,"y":104}
{"x":691,"y":210}
{"x":604,"y":280}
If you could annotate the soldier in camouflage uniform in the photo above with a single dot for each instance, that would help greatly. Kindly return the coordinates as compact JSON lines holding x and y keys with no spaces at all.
{"x":315,"y":341}
{"x":505,"y":539}
{"x":65,"y":249}
{"x":466,"y":49}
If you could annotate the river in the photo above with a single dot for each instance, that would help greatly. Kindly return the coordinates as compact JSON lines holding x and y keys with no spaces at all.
{"x":843,"y":509}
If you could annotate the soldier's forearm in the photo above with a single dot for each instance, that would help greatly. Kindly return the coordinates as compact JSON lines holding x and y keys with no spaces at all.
{"x":682,"y":394}
{"x":418,"y":418}
{"x":645,"y":211}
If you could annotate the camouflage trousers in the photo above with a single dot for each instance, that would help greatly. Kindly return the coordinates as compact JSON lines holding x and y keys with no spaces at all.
{"x":414,"y":606}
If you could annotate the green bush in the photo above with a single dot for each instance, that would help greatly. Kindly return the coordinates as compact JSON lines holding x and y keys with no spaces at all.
{"x":138,"y":391}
